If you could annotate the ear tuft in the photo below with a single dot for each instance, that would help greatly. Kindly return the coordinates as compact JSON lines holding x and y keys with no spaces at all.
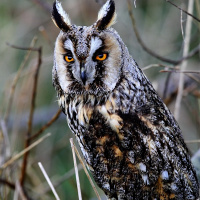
{"x":107,"y":15}
{"x":60,"y":17}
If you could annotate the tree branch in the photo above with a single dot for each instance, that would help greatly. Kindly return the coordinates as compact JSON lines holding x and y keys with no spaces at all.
{"x":30,"y":120}
{"x":148,"y":50}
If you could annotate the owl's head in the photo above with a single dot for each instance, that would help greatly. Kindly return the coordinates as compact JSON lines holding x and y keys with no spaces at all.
{"x":87,"y":59}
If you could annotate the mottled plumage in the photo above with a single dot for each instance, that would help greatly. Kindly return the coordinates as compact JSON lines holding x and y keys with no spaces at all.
{"x":129,"y":139}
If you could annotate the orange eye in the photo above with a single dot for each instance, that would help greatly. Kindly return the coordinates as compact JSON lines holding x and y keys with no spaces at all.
{"x":101,"y":57}
{"x":68,"y":58}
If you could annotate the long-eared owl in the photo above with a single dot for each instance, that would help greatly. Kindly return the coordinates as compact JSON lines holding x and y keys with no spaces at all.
{"x":130,"y":141}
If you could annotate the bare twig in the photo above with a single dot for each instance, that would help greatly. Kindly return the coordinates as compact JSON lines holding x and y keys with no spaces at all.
{"x":86,"y":172}
{"x":148,"y":50}
{"x":9,"y":184}
{"x":187,"y":12}
{"x":16,"y":157}
{"x":48,"y":181}
{"x":49,"y":123}
{"x":76,"y":170}
{"x":16,"y":78}
{"x":181,"y":71}
{"x":153,"y":66}
{"x":24,"y":48}
{"x":184,"y":64}
{"x":28,"y":134}
{"x":192,"y":141}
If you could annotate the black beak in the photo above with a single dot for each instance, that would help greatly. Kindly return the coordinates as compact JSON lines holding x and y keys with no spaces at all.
{"x":83,"y":73}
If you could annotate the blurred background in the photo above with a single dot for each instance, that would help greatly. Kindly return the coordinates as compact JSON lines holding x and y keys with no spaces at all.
{"x":24,"y":22}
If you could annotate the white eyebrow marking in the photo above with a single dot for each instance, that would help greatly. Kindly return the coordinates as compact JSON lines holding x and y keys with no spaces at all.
{"x":95,"y":44}
{"x":69,"y":45}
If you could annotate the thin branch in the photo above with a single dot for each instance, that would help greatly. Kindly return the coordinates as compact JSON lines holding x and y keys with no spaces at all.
{"x":17,"y":156}
{"x":192,"y":141}
{"x":184,"y":64}
{"x":9,"y":184}
{"x":24,"y":48}
{"x":148,"y":50}
{"x":187,"y":12}
{"x":48,"y":181}
{"x":30,"y":120}
{"x":153,"y":66}
{"x":187,"y":73}
{"x":182,"y":71}
{"x":76,"y":170}
{"x":49,"y":123}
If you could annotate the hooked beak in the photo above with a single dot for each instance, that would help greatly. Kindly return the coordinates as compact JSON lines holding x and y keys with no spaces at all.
{"x":83,"y":73}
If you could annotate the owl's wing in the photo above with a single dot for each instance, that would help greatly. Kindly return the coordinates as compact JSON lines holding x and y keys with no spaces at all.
{"x":154,"y":146}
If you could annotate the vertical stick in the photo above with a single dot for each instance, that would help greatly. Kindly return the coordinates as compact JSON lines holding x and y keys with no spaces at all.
{"x":86,"y":172}
{"x":184,"y":63}
{"x":76,"y":169}
{"x":48,"y":181}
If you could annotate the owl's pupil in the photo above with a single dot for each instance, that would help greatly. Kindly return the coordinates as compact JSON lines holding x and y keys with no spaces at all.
{"x":100,"y":55}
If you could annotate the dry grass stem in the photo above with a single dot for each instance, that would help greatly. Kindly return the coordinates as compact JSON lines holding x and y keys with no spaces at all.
{"x":184,"y":63}
{"x":48,"y":181}
{"x":17,"y":156}
{"x":76,"y":169}
{"x":57,"y":181}
{"x":86,"y":172}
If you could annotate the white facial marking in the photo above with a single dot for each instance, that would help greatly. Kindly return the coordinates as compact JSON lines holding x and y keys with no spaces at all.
{"x":95,"y":44}
{"x":69,"y":45}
